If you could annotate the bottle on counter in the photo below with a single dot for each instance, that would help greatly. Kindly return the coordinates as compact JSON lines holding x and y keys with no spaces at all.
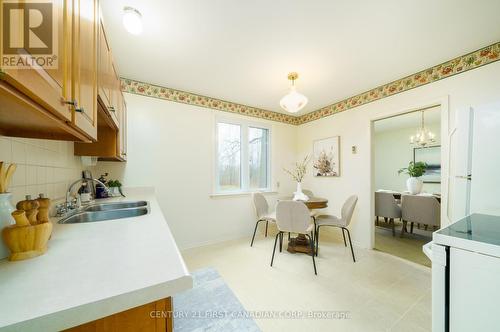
{"x":84,"y":192}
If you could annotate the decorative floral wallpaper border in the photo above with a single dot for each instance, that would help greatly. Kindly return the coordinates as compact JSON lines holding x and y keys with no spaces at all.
{"x":484,"y":56}
{"x":157,"y":91}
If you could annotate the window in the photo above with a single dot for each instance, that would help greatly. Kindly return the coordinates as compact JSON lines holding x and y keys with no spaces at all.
{"x":242,"y":157}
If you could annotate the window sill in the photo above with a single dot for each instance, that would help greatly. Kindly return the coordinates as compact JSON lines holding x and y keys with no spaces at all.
{"x":241,"y":193}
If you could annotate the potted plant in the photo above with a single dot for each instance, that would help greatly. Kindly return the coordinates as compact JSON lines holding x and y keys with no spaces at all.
{"x":415,"y":170}
{"x":297,"y":175}
{"x":115,"y":187}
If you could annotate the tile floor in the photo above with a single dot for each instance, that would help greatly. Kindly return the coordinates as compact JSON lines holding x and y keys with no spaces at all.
{"x":381,"y":292}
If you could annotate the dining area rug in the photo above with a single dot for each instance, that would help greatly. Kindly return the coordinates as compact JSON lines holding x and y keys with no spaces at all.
{"x":408,"y":247}
{"x":210,"y":306}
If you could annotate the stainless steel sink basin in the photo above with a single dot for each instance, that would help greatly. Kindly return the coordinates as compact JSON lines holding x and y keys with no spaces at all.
{"x":107,"y":211}
{"x":115,"y":206}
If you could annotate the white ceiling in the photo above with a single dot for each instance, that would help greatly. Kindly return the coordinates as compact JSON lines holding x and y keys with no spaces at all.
{"x":432,"y":116}
{"x":241,"y":50}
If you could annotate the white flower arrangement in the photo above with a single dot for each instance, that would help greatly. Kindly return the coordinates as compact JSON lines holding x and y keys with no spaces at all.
{"x":300,"y":170}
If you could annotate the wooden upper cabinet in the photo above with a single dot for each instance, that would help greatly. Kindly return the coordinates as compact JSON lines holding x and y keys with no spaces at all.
{"x":62,"y":98}
{"x":104,"y":63}
{"x":49,"y":88}
{"x":106,"y":77}
{"x":84,"y":65}
{"x":116,"y":95}
{"x":111,"y":142}
{"x":123,"y":131}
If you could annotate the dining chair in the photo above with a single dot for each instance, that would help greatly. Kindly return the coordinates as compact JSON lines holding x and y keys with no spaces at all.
{"x":293,"y":217}
{"x":424,"y":210}
{"x":262,"y":211}
{"x":314,"y":212}
{"x":387,"y":208}
{"x":342,"y":222}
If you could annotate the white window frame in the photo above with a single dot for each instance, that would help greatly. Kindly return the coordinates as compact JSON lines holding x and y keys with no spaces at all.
{"x":245,"y":162}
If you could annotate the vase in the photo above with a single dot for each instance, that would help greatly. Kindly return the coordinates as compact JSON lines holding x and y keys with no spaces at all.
{"x":114,"y":191}
{"x":298,"y":195}
{"x":6,"y":219}
{"x":414,"y":185}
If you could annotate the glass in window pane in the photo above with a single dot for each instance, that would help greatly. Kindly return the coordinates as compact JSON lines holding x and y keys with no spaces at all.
{"x":258,"y":157}
{"x":229,"y":156}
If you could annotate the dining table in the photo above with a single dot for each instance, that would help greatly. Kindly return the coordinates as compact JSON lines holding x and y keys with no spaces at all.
{"x":301,"y":243}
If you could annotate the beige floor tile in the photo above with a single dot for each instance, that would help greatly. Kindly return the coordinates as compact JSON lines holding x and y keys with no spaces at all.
{"x":379,"y":291}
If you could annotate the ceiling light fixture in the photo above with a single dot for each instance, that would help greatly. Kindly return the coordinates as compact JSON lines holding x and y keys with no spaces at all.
{"x":293,"y":101}
{"x":132,"y":20}
{"x":423,"y":137}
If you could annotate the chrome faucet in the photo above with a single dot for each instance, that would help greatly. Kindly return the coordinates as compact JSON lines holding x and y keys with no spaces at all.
{"x":69,"y":205}
{"x":68,"y":193}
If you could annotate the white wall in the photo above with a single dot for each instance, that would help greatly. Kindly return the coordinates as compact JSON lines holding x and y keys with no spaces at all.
{"x":43,"y":166}
{"x":171,"y":147}
{"x":474,"y":87}
{"x":393,"y":152}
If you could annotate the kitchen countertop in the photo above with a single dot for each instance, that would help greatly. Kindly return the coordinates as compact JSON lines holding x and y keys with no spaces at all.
{"x":93,"y":270}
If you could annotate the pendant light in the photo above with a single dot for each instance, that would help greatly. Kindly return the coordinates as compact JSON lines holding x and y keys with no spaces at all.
{"x":293,"y":101}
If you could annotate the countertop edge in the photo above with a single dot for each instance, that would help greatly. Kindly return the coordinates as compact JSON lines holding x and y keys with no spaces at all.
{"x":96,"y":310}
{"x":89,"y":311}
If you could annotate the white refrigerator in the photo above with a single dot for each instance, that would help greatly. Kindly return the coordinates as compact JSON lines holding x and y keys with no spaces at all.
{"x":465,"y":255}
{"x":474,"y":182}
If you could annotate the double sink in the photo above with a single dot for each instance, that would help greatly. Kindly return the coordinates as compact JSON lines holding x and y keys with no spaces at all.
{"x":107,"y":211}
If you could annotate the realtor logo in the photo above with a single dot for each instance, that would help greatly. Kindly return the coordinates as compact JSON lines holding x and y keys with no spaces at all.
{"x":29,"y":34}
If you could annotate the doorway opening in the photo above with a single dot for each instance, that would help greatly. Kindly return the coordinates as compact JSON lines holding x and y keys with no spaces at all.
{"x":407,"y":180}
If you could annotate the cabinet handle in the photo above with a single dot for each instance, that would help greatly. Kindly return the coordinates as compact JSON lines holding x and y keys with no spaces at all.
{"x":80,"y":110}
{"x":71,"y":102}
{"x":112,"y":109}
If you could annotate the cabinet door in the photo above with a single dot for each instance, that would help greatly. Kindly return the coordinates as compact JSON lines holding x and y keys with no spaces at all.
{"x":48,"y":87}
{"x":84,"y":69}
{"x":473,"y":291}
{"x":106,"y":76}
{"x":148,"y":317}
{"x":123,"y":131}
{"x":116,"y":95}
{"x":103,"y":67}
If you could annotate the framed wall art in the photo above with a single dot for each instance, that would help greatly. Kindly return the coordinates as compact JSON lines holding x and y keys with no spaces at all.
{"x":326,"y":157}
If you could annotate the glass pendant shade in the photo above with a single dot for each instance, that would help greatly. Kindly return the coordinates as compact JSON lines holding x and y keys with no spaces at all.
{"x":293,"y":101}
